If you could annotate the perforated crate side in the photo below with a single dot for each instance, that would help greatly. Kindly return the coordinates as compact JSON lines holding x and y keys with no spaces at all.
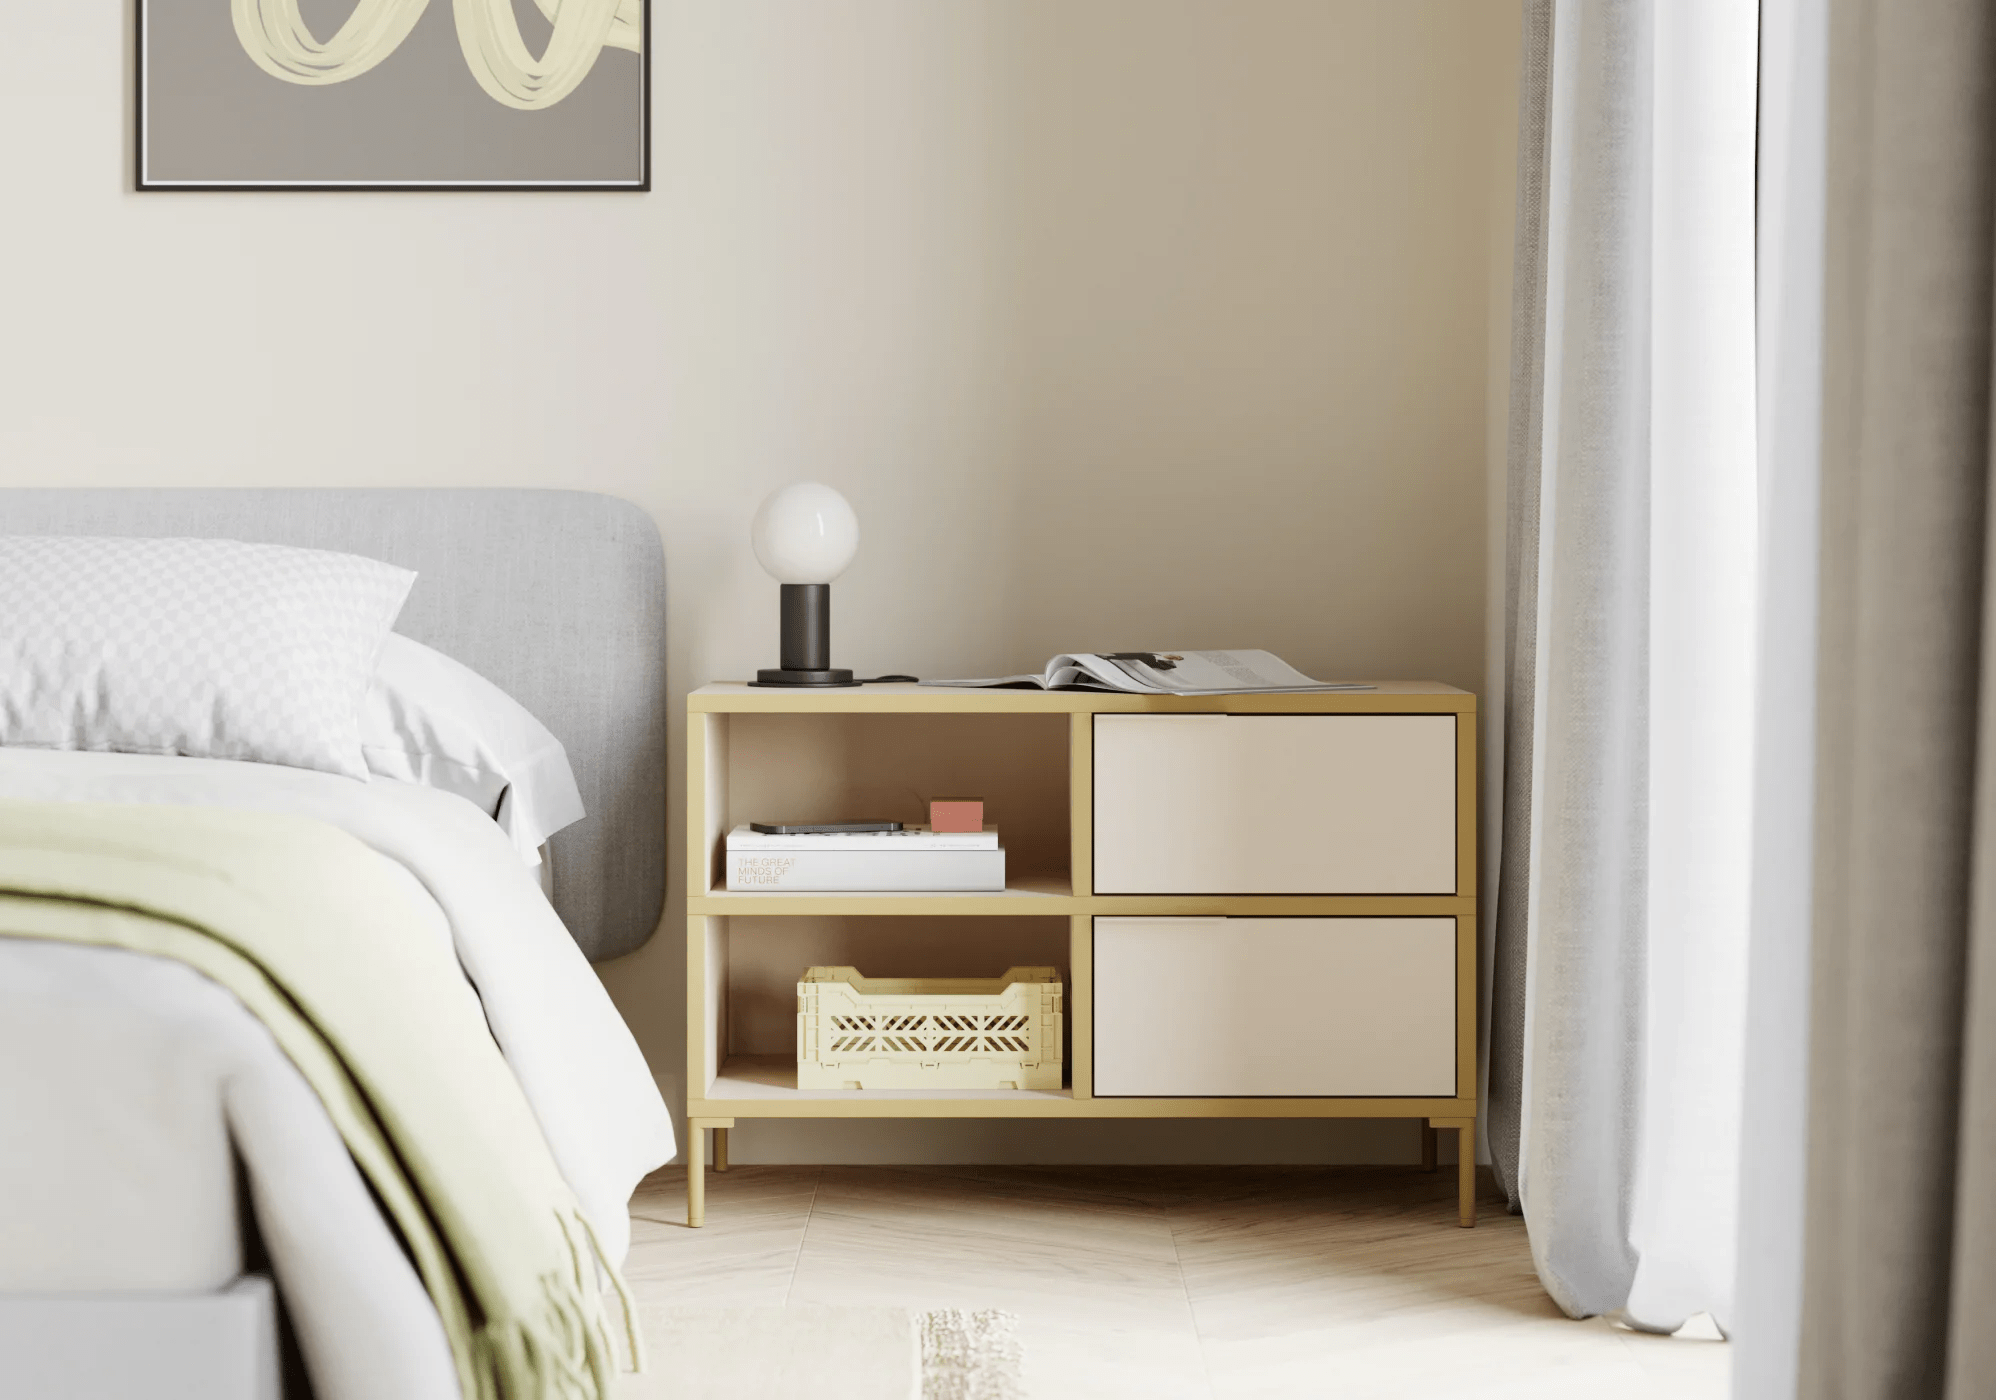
{"x":849,"y":1038}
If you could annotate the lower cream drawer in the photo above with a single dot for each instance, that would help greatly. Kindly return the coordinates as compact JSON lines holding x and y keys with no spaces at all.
{"x":1275,"y":1008}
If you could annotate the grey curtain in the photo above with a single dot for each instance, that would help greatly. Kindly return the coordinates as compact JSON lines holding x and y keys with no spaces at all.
{"x":1899,"y":1263}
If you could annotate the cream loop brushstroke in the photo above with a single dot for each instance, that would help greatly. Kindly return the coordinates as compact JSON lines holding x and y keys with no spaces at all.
{"x":489,"y":33}
{"x":274,"y":34}
{"x":626,"y":30}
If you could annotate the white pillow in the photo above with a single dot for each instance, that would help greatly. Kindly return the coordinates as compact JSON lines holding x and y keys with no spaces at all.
{"x":208,"y":648}
{"x":431,"y":720}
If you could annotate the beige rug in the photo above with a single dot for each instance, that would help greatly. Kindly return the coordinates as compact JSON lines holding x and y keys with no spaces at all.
{"x":828,"y":1354}
{"x":971,"y":1355}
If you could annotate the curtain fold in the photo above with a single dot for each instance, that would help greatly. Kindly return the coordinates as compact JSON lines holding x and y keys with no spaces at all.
{"x":1899,"y":1270}
{"x":1789,"y":293}
{"x":1505,"y":1093}
{"x":1587,"y":874}
{"x":1618,"y":974}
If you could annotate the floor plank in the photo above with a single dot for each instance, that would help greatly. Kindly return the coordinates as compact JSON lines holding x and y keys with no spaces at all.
{"x":1207,"y":1283}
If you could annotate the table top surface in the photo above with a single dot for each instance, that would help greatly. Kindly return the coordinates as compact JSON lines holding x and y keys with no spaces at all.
{"x":1391,"y":696}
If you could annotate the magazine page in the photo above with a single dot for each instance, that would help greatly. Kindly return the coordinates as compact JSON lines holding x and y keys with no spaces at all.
{"x":1088,"y":671}
{"x":1071,"y":671}
{"x":1217,"y":673}
{"x":996,"y":683}
{"x":1166,"y":673}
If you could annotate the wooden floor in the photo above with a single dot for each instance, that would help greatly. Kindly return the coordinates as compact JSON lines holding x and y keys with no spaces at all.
{"x":1162,"y":1282}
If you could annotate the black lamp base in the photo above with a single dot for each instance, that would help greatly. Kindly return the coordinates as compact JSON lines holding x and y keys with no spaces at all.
{"x":807,"y":640}
{"x":803,"y":678}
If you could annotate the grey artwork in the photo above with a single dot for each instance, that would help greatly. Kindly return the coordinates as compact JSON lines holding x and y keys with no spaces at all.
{"x":528,"y":94}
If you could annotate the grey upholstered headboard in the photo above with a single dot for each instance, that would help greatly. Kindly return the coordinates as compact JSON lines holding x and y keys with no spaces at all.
{"x":557,"y":596}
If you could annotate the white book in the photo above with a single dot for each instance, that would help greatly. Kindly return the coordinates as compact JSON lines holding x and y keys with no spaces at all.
{"x":865,"y":870}
{"x":914,"y":838}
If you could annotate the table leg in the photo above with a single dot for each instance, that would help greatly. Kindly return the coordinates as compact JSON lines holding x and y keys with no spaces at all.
{"x":720,"y":1149}
{"x":1428,"y":1145}
{"x":1465,"y":1174}
{"x":696,"y":1173}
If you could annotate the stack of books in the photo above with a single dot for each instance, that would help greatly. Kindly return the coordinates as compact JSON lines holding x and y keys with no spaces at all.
{"x":913,"y":858}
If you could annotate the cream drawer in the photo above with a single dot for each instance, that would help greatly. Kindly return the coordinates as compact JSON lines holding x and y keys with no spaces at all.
{"x":1275,"y":804}
{"x":1275,"y":1008}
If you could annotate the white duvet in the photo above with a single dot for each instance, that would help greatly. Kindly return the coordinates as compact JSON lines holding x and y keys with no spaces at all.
{"x":130,"y":1085}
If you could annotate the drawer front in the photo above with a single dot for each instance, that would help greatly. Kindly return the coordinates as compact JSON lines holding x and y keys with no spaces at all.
{"x":1275,"y":804}
{"x":1275,"y":1008}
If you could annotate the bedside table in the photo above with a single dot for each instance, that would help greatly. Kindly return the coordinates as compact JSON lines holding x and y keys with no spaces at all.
{"x":1265,"y":903}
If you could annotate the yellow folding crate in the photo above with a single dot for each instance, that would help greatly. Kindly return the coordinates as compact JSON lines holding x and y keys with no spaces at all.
{"x":857,"y":1032}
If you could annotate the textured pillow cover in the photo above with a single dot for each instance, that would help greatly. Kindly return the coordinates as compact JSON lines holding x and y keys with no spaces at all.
{"x":433,"y":720}
{"x":206,"y":648}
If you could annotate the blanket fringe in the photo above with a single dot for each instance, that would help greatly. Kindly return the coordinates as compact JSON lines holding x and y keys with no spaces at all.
{"x":633,"y":1334}
{"x":569,"y":1352}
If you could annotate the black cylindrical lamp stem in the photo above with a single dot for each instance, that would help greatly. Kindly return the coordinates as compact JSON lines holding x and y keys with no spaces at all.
{"x":807,"y":626}
{"x":807,"y":639}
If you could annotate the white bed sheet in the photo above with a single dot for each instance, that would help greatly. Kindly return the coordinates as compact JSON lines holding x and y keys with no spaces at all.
{"x":129,"y":1085}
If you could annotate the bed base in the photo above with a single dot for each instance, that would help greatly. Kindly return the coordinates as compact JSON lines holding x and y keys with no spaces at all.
{"x":144,"y":1346}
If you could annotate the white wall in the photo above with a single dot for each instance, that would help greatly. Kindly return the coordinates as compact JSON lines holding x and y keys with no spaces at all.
{"x":1121,"y":322}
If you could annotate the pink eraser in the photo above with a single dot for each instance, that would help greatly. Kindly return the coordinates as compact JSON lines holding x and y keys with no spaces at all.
{"x":956,"y":814}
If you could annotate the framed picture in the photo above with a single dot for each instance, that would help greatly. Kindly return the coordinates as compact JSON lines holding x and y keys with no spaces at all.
{"x":394,"y":94}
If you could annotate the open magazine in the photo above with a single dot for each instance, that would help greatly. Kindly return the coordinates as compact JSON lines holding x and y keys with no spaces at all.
{"x":1166,"y":673}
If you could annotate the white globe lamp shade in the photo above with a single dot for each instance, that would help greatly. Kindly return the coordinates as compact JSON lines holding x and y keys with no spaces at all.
{"x":805,"y":533}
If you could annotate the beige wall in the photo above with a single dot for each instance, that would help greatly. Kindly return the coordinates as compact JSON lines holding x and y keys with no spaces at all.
{"x":1121,"y":323}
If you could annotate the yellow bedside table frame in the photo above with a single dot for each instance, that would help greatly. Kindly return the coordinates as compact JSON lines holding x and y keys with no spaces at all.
{"x":758,"y":748}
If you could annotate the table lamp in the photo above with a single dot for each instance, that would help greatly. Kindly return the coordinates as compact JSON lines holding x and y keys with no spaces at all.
{"x":804,"y":537}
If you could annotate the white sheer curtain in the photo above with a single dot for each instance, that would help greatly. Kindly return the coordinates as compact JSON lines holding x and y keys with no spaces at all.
{"x":1620,"y":981}
{"x":1794,"y":59}
{"x":1703,"y":517}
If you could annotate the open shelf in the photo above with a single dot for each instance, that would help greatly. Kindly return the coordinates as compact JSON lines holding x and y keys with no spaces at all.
{"x":1052,"y":896}
{"x":836,"y":766}
{"x":774,"y":1077}
{"x":1021,"y":888}
{"x":753,"y":961}
{"x":765,"y":1086}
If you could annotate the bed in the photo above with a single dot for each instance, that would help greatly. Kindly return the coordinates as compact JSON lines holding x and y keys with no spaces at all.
{"x":178,"y":1212}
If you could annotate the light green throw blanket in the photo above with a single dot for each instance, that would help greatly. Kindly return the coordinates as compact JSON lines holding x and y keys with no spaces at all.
{"x":328,"y":947}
